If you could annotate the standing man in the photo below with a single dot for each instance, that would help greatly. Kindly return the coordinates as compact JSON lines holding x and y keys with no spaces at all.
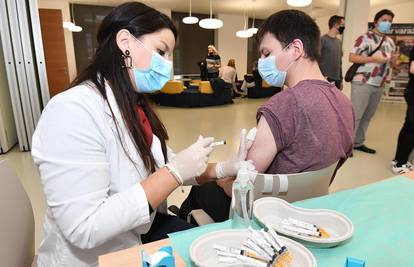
{"x":367,"y":85}
{"x":331,"y":51}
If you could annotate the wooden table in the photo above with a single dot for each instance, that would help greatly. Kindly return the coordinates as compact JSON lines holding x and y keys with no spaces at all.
{"x":132,"y":257}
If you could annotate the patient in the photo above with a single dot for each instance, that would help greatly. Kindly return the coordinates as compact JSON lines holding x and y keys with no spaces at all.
{"x":306,"y":127}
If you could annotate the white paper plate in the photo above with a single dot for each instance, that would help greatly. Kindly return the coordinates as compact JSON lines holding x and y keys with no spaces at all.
{"x":272,"y":211}
{"x":203,"y":254}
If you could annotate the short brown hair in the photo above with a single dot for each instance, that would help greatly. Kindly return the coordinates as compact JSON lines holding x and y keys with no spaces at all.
{"x":383,"y":12}
{"x":335,"y":19}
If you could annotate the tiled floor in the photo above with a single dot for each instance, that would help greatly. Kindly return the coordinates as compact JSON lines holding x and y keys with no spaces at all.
{"x":224,"y":122}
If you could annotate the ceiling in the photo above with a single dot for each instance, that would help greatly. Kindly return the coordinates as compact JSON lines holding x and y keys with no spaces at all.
{"x":262,"y":8}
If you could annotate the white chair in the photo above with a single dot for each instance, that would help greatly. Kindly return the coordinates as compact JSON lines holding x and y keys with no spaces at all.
{"x":290,"y":187}
{"x":17,"y":230}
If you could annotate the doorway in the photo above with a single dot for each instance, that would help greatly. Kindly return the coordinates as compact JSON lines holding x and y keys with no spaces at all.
{"x":54,"y":49}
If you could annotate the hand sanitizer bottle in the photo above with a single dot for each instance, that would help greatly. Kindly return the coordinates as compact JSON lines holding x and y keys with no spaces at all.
{"x":242,"y":200}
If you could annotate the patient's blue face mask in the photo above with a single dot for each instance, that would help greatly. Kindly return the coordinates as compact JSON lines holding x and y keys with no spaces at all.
{"x":156,"y":76}
{"x":268,"y":70}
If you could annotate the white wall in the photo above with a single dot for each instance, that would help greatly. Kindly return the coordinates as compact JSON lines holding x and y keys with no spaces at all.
{"x":323,"y":23}
{"x":230,"y":46}
{"x":403,"y":12}
{"x":166,"y":11}
{"x":63,"y":5}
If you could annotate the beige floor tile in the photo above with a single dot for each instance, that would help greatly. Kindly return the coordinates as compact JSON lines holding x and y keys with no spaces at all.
{"x":225,"y":122}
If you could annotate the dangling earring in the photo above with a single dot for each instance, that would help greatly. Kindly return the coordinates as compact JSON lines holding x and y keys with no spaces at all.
{"x":127,"y":60}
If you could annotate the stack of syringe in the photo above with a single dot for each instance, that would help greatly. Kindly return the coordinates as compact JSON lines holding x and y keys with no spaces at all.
{"x":303,"y":228}
{"x":262,"y":248}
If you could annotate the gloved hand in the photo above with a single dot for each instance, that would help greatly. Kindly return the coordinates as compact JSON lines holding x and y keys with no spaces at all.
{"x":232,"y":166}
{"x":193,"y":161}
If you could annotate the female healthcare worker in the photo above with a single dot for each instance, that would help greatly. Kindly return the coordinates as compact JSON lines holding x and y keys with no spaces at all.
{"x":101,"y":150}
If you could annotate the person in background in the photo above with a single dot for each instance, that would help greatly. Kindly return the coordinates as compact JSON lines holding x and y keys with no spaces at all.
{"x":331,"y":51}
{"x":309,"y":117}
{"x":250,"y":81}
{"x":213,"y":62}
{"x":203,"y":70}
{"x":367,"y":86}
{"x":101,"y":150}
{"x":405,"y":143}
{"x":229,"y":75}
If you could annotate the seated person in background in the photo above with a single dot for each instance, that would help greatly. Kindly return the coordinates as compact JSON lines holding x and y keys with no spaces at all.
{"x":203,"y":70}
{"x":250,"y":81}
{"x":229,"y":74}
{"x":308,"y":126}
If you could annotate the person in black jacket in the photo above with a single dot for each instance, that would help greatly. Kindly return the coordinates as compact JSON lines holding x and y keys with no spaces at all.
{"x":203,"y":70}
{"x":251,"y":81}
{"x":405,"y":144}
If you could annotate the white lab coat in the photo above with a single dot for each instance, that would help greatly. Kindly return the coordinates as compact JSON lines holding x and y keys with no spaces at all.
{"x":95,"y":202}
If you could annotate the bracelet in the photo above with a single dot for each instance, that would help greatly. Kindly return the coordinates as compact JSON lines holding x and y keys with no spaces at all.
{"x":176,"y":175}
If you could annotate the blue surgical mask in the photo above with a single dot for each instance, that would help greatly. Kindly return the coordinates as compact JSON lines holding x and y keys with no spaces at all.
{"x":156,"y":76}
{"x":384,"y":26}
{"x":269,"y":72}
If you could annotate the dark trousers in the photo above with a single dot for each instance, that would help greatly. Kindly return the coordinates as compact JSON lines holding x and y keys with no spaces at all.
{"x":212,"y":75}
{"x":338,"y":83}
{"x":209,"y":197}
{"x":162,"y":225}
{"x":406,"y":137}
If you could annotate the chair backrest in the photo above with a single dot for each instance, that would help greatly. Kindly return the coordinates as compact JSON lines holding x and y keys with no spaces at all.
{"x":294,"y":187}
{"x":173,"y":87}
{"x":205,"y":87}
{"x":195,"y":82}
{"x":16,"y":220}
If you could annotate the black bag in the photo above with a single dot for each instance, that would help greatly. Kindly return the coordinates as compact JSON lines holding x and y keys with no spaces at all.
{"x":249,"y":78}
{"x":350,"y":73}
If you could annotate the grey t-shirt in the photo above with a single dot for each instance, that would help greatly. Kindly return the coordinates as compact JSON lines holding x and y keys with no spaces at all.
{"x":331,"y":57}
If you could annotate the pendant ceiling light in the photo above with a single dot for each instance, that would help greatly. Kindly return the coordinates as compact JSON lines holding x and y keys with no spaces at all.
{"x":67,"y":24}
{"x":299,"y":3}
{"x":245,"y":33}
{"x":211,"y":23}
{"x":190,"y":19}
{"x":71,"y":26}
{"x":253,"y":29}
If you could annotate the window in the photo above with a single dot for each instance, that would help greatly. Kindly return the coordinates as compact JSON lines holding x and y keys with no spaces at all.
{"x":191,"y":44}
{"x":85,"y":42}
{"x":252,"y":47}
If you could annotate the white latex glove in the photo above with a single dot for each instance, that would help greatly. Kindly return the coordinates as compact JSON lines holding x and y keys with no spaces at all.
{"x":193,"y":161}
{"x":232,"y":166}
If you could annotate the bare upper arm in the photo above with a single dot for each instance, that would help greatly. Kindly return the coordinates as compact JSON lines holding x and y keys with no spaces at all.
{"x":264,"y":149}
{"x":412,"y":67}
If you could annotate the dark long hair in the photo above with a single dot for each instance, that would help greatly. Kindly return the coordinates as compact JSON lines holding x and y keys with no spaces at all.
{"x":138,"y":19}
